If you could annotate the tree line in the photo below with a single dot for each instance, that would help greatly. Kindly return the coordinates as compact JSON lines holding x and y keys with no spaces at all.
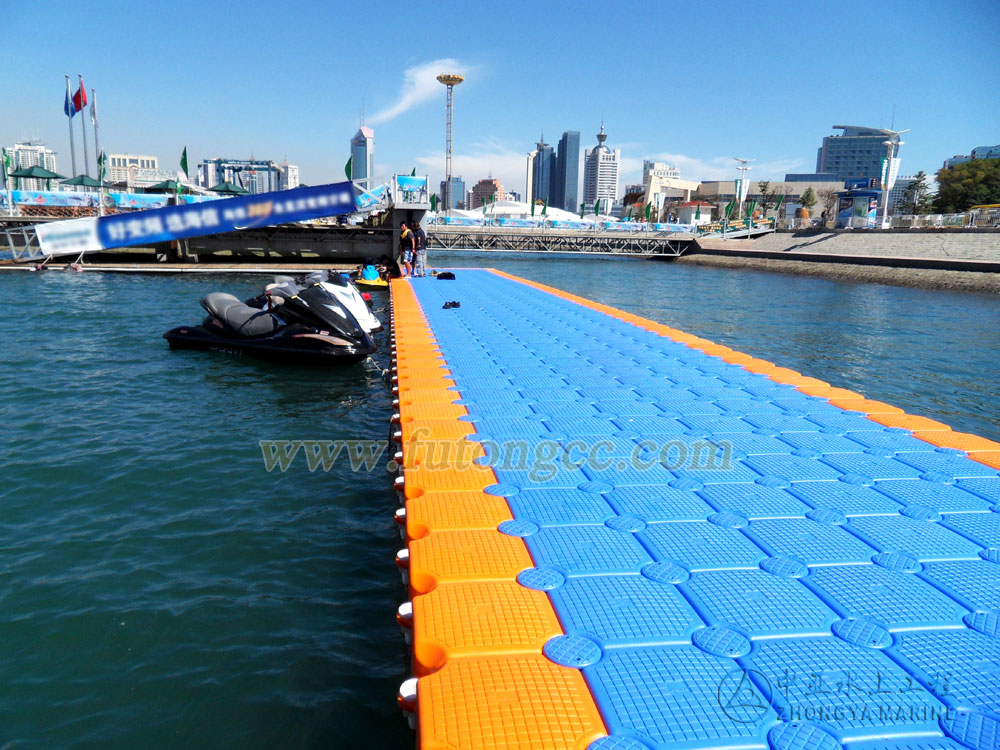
{"x":973,"y":183}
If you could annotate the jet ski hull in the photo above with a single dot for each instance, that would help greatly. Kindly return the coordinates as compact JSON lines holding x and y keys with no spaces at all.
{"x":304,"y":347}
{"x":374,"y":284}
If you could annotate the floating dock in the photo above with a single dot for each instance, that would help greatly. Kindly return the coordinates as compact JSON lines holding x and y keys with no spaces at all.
{"x":624,"y":537}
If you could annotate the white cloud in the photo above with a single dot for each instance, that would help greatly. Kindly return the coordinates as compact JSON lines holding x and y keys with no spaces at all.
{"x":485,"y":159}
{"x":419,"y":84}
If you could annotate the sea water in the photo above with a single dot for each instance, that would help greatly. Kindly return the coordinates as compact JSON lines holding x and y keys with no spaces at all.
{"x":160,"y":588}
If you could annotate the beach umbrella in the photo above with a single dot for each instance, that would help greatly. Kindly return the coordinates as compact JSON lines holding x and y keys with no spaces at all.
{"x":82,"y":180}
{"x":37,"y":173}
{"x":228,"y":188}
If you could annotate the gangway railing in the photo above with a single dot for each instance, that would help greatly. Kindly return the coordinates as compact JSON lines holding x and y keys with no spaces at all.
{"x":21,"y":243}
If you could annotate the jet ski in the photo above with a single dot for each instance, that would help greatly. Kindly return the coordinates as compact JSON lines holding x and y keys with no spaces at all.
{"x":340,"y":286}
{"x":369,"y":278}
{"x":286,"y":324}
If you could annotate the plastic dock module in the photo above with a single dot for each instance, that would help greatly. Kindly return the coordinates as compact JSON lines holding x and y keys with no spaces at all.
{"x":624,"y":537}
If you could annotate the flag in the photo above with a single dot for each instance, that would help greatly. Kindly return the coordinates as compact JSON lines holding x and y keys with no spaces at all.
{"x":532,"y":208}
{"x":414,"y":172}
{"x":545,"y":208}
{"x":6,"y":162}
{"x":434,"y":202}
{"x":697,"y":211}
{"x":729,"y":208}
{"x":597,"y":207}
{"x":184,"y":167}
{"x":778,"y":205}
{"x":79,"y":98}
{"x":583,"y":207}
{"x":349,"y":167}
{"x":68,"y":104}
{"x":750,"y":207}
{"x":649,"y":210}
{"x":629,"y":217}
{"x":93,"y":109}
{"x":101,"y":166}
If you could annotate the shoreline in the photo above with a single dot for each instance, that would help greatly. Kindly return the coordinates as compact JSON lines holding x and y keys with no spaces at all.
{"x":918,"y":278}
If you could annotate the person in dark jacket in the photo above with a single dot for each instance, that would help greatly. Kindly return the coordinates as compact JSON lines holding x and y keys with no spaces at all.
{"x":419,"y":250}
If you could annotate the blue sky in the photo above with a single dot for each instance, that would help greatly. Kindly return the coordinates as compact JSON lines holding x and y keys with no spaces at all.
{"x":689,"y":83}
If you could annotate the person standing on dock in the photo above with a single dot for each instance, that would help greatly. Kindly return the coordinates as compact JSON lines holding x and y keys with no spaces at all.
{"x":419,"y":251}
{"x":406,"y":246}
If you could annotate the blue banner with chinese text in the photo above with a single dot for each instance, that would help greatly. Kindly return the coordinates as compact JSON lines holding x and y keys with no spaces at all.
{"x":226,"y":215}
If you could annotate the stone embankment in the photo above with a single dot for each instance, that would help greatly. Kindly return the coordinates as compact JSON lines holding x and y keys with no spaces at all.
{"x":966,"y":260}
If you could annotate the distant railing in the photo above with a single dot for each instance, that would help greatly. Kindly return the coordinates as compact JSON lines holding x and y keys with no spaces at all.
{"x":623,"y":227}
{"x":977,"y":219}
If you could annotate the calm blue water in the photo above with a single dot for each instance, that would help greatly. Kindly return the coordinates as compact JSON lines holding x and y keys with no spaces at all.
{"x":159,"y":588}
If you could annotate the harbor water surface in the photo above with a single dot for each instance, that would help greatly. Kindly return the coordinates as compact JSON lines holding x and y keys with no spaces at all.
{"x":159,"y":587}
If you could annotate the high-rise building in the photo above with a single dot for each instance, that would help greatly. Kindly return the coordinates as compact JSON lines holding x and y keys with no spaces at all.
{"x":457,"y":193}
{"x":979,"y":152}
{"x":658,"y":169}
{"x":600,"y":173}
{"x":857,"y":152}
{"x":543,"y":168}
{"x":564,"y":188}
{"x":486,"y":190}
{"x":253,"y":175}
{"x":31,"y":154}
{"x":289,"y":175}
{"x":363,"y":155}
{"x":896,"y":194}
{"x":529,"y":177}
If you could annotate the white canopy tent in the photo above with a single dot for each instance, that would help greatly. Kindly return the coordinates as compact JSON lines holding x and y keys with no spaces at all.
{"x":519,"y":210}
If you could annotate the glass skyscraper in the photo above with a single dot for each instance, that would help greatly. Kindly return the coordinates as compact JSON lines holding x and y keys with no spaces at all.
{"x":543,"y":172}
{"x":856,"y":153}
{"x":457,"y":193}
{"x":564,"y":187}
{"x":363,"y":155}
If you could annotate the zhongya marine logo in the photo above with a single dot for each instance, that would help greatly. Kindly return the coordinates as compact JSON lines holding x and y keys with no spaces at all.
{"x":745,"y":695}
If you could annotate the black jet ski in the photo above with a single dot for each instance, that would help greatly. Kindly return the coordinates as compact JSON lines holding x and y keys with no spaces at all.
{"x":288,"y":323}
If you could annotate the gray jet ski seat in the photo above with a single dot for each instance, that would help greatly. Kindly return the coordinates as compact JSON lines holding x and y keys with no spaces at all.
{"x":243,"y":319}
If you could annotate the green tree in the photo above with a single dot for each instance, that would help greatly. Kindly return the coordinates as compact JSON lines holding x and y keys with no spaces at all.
{"x":808,"y":198}
{"x":828,"y":199}
{"x":768,"y":197}
{"x":973,"y":183}
{"x":916,"y":197}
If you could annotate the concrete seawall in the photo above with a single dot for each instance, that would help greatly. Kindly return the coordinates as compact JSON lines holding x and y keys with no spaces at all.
{"x":966,"y":260}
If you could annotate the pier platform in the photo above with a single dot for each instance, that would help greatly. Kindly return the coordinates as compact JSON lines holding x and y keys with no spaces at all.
{"x":624,"y":537}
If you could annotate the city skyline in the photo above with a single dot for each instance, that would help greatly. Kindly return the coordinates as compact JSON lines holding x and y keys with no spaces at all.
{"x":302,"y":100}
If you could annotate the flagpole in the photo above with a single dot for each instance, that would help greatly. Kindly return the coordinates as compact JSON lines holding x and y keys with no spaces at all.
{"x":93,"y":121}
{"x":69,"y":118}
{"x":4,"y":159}
{"x":83,"y":127}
